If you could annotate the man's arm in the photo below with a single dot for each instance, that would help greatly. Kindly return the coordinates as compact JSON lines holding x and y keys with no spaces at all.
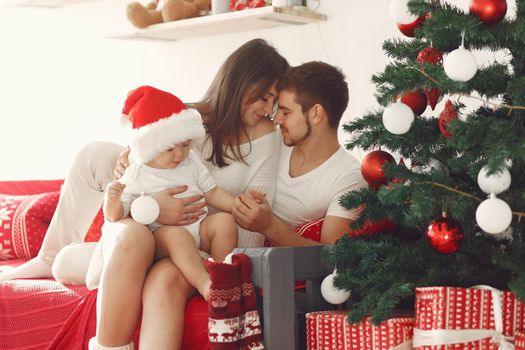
{"x":281,"y":234}
{"x":253,"y":213}
{"x":334,"y":227}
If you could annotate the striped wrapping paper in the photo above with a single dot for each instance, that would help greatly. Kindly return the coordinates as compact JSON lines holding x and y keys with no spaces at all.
{"x":329,"y":330}
{"x":464,"y":311}
{"x":520,"y":340}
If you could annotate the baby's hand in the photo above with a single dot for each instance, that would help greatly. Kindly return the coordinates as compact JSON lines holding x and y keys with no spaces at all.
{"x":114,"y":190}
{"x":122,"y":164}
{"x":257,"y":195}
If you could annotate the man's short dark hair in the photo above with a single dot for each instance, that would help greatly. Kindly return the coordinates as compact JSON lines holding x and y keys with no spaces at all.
{"x":318,"y":82}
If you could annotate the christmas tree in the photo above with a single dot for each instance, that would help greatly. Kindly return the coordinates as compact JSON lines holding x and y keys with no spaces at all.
{"x":452,"y":213}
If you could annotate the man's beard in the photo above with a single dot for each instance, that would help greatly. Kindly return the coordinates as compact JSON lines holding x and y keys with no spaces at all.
{"x":302,"y":138}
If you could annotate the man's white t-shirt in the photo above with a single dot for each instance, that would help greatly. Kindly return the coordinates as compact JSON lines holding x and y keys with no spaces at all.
{"x":315,"y":195}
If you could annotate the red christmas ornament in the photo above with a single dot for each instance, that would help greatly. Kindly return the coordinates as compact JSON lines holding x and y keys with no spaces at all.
{"x":409,"y":28}
{"x":448,"y":114}
{"x":444,"y":235}
{"x":372,"y":168}
{"x":430,"y":55}
{"x":489,"y":11}
{"x":433,"y":56}
{"x":416,"y":100}
{"x":432,"y":95}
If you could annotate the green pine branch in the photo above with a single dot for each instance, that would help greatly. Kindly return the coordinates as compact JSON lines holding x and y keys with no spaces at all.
{"x":382,"y":270}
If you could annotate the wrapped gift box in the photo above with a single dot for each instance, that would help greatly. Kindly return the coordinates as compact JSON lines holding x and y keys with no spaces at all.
{"x":449,"y":315}
{"x":520,"y":340}
{"x":329,"y":330}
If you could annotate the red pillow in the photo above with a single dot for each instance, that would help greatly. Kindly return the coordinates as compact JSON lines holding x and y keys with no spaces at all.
{"x":23,"y":223}
{"x":95,"y":230}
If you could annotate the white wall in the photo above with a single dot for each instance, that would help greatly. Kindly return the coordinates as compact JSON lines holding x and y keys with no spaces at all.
{"x":62,"y":83}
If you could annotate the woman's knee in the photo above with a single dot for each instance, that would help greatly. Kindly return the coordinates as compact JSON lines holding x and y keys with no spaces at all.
{"x":134,"y":239}
{"x":71,"y":263}
{"x":98,"y":159}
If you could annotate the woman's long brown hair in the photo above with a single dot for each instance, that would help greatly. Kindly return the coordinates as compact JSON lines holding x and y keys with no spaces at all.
{"x":255,"y":63}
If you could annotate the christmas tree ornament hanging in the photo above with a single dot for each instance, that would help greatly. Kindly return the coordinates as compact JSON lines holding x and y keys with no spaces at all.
{"x":460,"y":65}
{"x":332,"y":294}
{"x":410,"y":28}
{"x":493,"y":215}
{"x":398,"y":118}
{"x":433,"y":96}
{"x":400,"y":12}
{"x":372,"y":167}
{"x":416,"y":100}
{"x":489,"y":11}
{"x":145,"y":210}
{"x":430,"y":55}
{"x":496,"y":182}
{"x":448,"y":114}
{"x":444,"y":234}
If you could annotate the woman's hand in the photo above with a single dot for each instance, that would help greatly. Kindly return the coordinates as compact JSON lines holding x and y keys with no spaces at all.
{"x":122,"y":164}
{"x":178,"y":211}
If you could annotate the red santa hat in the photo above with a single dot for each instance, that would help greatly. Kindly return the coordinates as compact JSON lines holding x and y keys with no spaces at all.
{"x":160,"y":120}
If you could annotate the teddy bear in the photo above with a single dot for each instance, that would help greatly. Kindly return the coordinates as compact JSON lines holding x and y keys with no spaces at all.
{"x":171,"y":10}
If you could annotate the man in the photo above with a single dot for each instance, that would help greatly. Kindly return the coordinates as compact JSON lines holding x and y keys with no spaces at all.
{"x":314,"y":169}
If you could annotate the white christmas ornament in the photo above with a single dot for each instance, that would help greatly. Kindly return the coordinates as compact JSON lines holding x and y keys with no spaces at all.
{"x":494,"y":183}
{"x":399,"y":11}
{"x":460,"y":64}
{"x":493,"y":215}
{"x":332,"y":294}
{"x":145,"y":210}
{"x":398,"y":118}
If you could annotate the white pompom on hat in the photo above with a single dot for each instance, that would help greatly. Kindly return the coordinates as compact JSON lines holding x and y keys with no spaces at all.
{"x":160,"y":121}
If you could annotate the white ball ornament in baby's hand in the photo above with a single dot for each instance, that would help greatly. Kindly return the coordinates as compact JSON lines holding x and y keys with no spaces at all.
{"x":332,"y":294}
{"x":145,"y":210}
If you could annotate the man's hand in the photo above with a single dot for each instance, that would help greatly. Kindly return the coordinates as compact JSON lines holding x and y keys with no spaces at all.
{"x":252,"y":211}
{"x":122,"y":164}
{"x":178,"y":211}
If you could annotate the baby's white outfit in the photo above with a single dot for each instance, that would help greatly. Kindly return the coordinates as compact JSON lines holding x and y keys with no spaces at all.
{"x":147,"y":180}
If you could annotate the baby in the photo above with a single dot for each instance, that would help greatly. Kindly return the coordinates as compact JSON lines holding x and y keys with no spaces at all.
{"x":161,"y":157}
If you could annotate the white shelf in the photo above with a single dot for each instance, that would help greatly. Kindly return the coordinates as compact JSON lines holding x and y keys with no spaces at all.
{"x":231,"y":22}
{"x":49,"y":3}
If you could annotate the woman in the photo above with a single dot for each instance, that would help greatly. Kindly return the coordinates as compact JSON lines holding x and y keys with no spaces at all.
{"x":241,"y":151}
